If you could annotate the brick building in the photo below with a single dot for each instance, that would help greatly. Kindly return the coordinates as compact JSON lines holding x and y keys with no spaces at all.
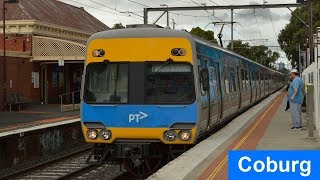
{"x":39,"y":33}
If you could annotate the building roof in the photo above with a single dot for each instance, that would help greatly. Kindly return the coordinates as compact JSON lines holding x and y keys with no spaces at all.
{"x":54,"y":12}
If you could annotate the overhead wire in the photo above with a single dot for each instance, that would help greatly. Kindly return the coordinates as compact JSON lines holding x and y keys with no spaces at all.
{"x":220,"y":20}
{"x":258,"y":25}
{"x":102,"y":10}
{"x":180,"y":14}
{"x":274,"y":29}
{"x":116,"y":10}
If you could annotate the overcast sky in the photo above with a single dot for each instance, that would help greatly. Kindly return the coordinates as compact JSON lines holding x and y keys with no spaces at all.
{"x":251,"y":24}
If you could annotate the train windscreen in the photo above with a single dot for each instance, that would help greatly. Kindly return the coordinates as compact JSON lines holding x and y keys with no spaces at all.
{"x":139,"y":83}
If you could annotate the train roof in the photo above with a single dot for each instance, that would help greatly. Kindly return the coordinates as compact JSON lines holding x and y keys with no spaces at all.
{"x":140,"y":32}
{"x":161,"y":32}
{"x":231,"y":52}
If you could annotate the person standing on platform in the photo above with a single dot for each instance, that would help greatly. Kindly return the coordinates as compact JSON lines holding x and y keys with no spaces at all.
{"x":295,"y":98}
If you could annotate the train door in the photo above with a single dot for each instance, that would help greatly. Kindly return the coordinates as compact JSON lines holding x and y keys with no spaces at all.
{"x":215,"y":93}
{"x":204,"y":96}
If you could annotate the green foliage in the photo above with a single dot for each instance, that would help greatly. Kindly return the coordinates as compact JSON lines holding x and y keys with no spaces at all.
{"x":118,"y":26}
{"x":295,"y":33}
{"x":208,"y":35}
{"x":260,"y":54}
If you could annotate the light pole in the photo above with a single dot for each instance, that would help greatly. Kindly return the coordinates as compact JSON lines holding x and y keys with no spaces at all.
{"x":165,"y":5}
{"x":310,"y":30}
{"x":4,"y":47}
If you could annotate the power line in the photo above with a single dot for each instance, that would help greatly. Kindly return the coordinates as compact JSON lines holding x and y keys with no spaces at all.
{"x":274,"y":30}
{"x":210,"y":14}
{"x":116,"y":9}
{"x":221,"y":19}
{"x":102,"y":10}
{"x":180,"y":14}
{"x":258,"y":25}
{"x":138,"y":3}
{"x":94,"y":7}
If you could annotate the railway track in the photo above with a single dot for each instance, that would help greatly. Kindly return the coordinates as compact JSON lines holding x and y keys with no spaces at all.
{"x":72,"y":166}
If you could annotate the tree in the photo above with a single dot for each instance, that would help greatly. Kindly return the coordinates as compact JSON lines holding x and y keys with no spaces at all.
{"x":118,"y":26}
{"x":295,"y":33}
{"x":260,"y":54}
{"x":241,"y":48}
{"x":207,"y":35}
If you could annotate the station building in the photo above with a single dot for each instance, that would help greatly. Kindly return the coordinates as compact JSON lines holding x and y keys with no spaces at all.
{"x":38,"y":35}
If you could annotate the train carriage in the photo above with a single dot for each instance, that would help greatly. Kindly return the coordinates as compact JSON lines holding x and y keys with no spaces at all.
{"x":149,"y":91}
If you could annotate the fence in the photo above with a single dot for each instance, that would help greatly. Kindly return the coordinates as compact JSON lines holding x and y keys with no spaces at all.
{"x":70,"y":101}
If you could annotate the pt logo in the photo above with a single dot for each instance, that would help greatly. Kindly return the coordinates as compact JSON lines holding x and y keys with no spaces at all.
{"x":137,"y":117}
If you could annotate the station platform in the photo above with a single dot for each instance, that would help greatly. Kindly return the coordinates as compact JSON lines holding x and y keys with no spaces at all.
{"x":266,"y":126}
{"x":34,"y":115}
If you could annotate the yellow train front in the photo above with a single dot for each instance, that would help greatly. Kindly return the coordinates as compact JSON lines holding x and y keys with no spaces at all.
{"x":139,"y":95}
{"x":150,"y":93}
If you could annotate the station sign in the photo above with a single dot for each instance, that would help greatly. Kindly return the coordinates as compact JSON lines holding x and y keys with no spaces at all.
{"x":61,"y":62}
{"x":274,"y":164}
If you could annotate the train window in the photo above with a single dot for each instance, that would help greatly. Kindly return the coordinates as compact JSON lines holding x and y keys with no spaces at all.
{"x":247,"y":79}
{"x":199,"y":69}
{"x":216,"y":82}
{"x":243,"y":80}
{"x":213,"y":80}
{"x":233,"y":79}
{"x":226,"y":80}
{"x":106,"y":83}
{"x":170,"y":84}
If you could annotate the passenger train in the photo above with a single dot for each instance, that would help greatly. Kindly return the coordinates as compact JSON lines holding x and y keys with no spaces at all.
{"x":148,"y":92}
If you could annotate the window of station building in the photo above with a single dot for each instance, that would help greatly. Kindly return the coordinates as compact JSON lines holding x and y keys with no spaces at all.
{"x":311,"y":78}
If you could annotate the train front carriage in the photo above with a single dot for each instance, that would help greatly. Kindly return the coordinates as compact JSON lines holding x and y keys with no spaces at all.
{"x":139,"y":94}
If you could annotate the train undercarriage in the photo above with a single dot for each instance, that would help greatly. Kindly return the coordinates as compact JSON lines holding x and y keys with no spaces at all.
{"x":140,"y":159}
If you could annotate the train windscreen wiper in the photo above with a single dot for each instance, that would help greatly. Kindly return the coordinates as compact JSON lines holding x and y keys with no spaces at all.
{"x":154,"y":74}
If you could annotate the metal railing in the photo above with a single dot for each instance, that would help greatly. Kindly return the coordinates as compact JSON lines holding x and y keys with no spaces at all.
{"x":70,"y":101}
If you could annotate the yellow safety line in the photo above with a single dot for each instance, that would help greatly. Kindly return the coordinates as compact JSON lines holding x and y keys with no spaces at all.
{"x":224,"y":161}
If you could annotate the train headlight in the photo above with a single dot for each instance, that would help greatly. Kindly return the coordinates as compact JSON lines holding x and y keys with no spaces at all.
{"x":184,"y":135}
{"x":182,"y":52}
{"x":178,"y":52}
{"x":92,"y":134}
{"x":170,"y":135}
{"x":98,"y":53}
{"x":105,"y":134}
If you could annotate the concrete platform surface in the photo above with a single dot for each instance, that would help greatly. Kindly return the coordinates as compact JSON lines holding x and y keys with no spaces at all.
{"x":34,"y":115}
{"x":279,"y":136}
